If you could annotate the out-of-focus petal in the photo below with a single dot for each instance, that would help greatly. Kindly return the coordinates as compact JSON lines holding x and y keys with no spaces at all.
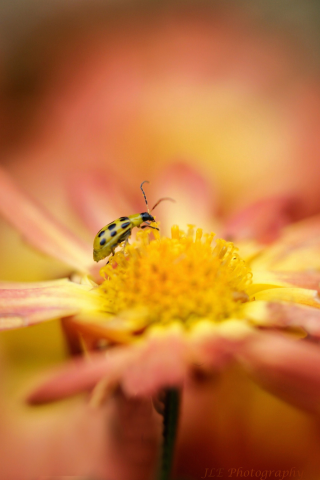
{"x":95,"y":326}
{"x":195,"y":198}
{"x":30,"y":285}
{"x":98,"y":199}
{"x":39,"y":228}
{"x":262,"y":220}
{"x":81,"y":375}
{"x":213,"y":345}
{"x":267,"y":279}
{"x":161,"y":360}
{"x":309,"y":280}
{"x":289,"y":369}
{"x":292,"y":295}
{"x":283,"y":314}
{"x":25,"y":305}
{"x":297,"y":249}
{"x":143,"y":369}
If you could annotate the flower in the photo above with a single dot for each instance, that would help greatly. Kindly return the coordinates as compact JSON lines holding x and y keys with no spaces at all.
{"x":226,"y":96}
{"x":171,"y":327}
{"x":170,"y":304}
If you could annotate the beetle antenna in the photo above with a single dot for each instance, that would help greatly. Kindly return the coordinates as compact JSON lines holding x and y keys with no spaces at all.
{"x":161,"y":200}
{"x":145,"y":198}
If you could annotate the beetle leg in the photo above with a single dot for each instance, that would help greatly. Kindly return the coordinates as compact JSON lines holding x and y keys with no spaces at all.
{"x":148,"y":225}
{"x":125,"y":238}
{"x":112,"y":255}
{"x":125,"y":244}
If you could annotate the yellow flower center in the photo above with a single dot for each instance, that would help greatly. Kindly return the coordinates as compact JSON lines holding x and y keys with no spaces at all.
{"x":183,"y":278}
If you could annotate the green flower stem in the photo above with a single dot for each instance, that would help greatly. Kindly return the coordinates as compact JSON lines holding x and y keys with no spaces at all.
{"x":170,"y":426}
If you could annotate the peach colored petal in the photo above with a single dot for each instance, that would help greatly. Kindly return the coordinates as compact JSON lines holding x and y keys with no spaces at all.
{"x":159,"y":363}
{"x":297,"y":249}
{"x":98,"y":199}
{"x":289,"y":369}
{"x":29,"y":304}
{"x":141,"y":369}
{"x":309,"y":280}
{"x":213,"y":345}
{"x":29,"y":285}
{"x":282,"y":314}
{"x":195,"y":198}
{"x":39,"y":228}
{"x":81,"y":375}
{"x":262,"y":220}
{"x":163,"y":359}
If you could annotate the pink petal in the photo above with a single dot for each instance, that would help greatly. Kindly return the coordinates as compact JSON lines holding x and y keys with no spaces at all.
{"x":142,"y":370}
{"x":297,"y":249}
{"x":309,"y":280}
{"x":283,"y":314}
{"x":214,"y":353}
{"x":195,"y":197}
{"x":303,"y":316}
{"x":81,"y":375}
{"x":262,"y":221}
{"x":287,"y":368}
{"x":39,"y":228}
{"x":34,"y":303}
{"x":98,"y":199}
{"x":160,"y":363}
{"x":28,"y":285}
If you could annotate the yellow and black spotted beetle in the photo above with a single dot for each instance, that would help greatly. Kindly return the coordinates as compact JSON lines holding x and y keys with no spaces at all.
{"x":118,"y":231}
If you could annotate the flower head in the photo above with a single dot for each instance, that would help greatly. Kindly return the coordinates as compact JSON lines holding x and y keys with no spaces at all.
{"x":166,"y":309}
{"x":182,"y":278}
{"x":170,"y":305}
{"x":142,"y":97}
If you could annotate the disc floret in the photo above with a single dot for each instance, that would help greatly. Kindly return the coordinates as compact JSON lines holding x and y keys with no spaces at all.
{"x":183,"y":278}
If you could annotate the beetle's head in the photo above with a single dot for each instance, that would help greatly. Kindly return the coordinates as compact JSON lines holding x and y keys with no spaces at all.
{"x":147,"y":217}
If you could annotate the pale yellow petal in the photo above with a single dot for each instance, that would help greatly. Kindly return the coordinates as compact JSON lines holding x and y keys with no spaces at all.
{"x":29,"y":304}
{"x":294,"y":295}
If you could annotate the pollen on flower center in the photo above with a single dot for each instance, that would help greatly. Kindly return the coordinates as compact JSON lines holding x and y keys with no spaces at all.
{"x":183,"y":278}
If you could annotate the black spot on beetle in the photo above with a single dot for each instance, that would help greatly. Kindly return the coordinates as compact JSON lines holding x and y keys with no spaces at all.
{"x":112,"y":226}
{"x":103,"y":241}
{"x":122,"y":219}
{"x":113,"y":234}
{"x":101,"y":233}
{"x":125,"y":224}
